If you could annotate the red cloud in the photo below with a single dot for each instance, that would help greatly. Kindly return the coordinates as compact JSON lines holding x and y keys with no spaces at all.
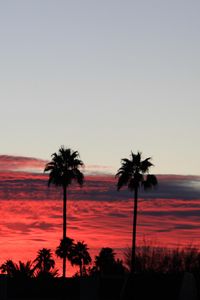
{"x":27,"y":226}
{"x":23,"y":163}
{"x":20,"y":163}
{"x":98,"y":214}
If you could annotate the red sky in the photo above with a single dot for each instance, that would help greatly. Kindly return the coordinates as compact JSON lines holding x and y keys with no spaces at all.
{"x":31,"y":213}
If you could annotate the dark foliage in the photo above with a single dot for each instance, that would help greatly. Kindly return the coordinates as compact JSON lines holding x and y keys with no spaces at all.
{"x":150,"y":259}
{"x":106,"y":264}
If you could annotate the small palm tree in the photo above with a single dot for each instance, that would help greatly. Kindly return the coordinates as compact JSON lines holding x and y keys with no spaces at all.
{"x":44,"y":261}
{"x":132,"y":173}
{"x":65,"y":249}
{"x":21,"y":270}
{"x":63,"y":171}
{"x":80,"y":256}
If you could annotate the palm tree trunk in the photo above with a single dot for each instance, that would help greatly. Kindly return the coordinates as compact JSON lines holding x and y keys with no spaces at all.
{"x":64,"y":224}
{"x":133,"y":258}
{"x":81,"y":269}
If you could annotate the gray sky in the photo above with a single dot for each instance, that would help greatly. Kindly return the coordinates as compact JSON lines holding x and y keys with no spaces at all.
{"x":102,"y":77}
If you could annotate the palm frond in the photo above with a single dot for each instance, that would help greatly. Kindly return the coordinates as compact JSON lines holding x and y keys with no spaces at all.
{"x":150,"y":182}
{"x":145,"y":165}
{"x":122,"y":180}
{"x":136,"y":158}
{"x":79,"y":177}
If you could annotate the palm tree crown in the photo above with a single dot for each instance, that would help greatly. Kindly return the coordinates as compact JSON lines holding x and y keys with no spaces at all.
{"x":44,"y":260}
{"x":132,"y":173}
{"x":64,"y":168}
{"x":65,"y":249}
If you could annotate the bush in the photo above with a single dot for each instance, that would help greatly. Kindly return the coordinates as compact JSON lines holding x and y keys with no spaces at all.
{"x":164,"y":260}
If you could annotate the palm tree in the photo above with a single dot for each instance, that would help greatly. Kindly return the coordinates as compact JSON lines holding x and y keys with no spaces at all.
{"x":21,"y":270}
{"x":44,"y":261}
{"x":80,"y":256}
{"x":63,"y":171}
{"x":134,"y":174}
{"x":65,"y":250}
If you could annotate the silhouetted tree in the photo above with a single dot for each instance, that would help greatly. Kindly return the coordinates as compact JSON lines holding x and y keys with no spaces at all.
{"x":21,"y":270}
{"x":106,"y":264}
{"x":63,"y":170}
{"x":45,"y":263}
{"x":44,"y":260}
{"x":132,"y":173}
{"x":65,"y":249}
{"x":80,"y":256}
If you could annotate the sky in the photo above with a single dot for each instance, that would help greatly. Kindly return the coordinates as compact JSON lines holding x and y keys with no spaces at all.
{"x":98,"y":214}
{"x":103,"y":78}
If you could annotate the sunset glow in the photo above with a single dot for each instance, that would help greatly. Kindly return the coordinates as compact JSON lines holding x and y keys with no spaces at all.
{"x":31,"y":214}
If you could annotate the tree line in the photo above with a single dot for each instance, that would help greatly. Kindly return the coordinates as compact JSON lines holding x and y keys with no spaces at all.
{"x":43,"y":266}
{"x":149,"y":260}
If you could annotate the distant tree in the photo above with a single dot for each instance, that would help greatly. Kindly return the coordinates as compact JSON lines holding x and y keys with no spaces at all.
{"x":21,"y":270}
{"x":80,"y":256}
{"x":63,"y":171}
{"x":134,"y":174}
{"x":106,"y":264}
{"x":45,"y":263}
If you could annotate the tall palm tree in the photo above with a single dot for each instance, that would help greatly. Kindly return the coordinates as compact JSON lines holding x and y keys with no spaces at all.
{"x":80,"y":256}
{"x":63,"y":171}
{"x":134,"y":174}
{"x":44,"y":261}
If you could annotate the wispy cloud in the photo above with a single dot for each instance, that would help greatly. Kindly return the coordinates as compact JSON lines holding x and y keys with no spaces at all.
{"x":21,"y":163}
{"x":32,"y":164}
{"x":98,"y":170}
